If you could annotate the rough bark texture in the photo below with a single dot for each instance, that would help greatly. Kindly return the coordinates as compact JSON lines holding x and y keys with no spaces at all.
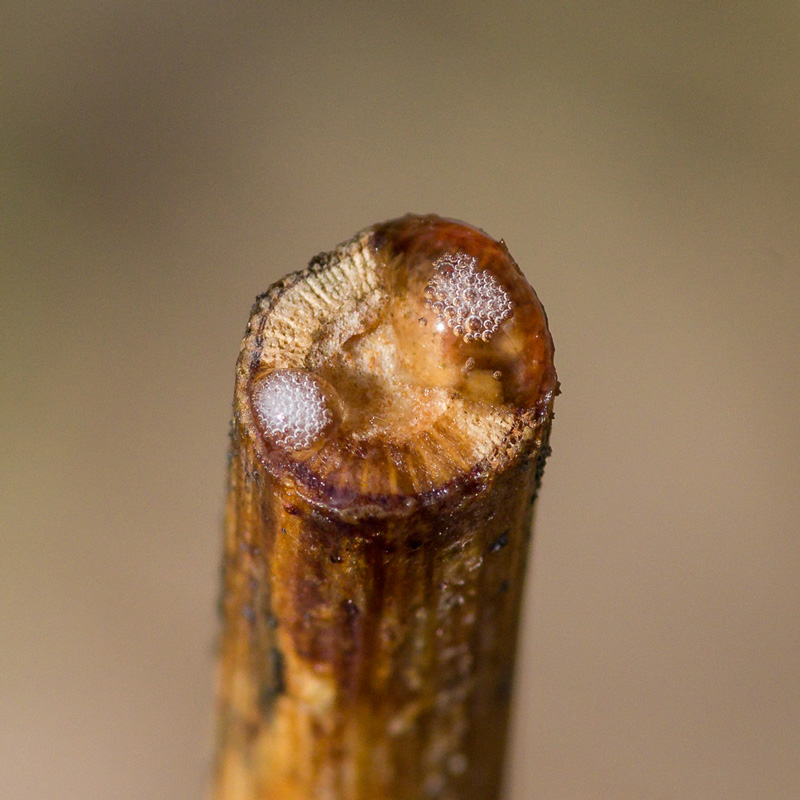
{"x":372,"y":584}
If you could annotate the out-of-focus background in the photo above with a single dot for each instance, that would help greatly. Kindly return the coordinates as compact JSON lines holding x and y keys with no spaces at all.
{"x":161,"y":164}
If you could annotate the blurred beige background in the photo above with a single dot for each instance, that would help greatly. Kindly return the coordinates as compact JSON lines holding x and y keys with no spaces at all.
{"x":161,"y":164}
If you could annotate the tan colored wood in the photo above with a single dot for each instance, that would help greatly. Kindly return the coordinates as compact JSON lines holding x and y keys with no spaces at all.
{"x":372,"y":579}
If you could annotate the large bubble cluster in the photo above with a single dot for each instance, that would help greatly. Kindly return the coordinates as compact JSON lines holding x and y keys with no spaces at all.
{"x":291,"y":408}
{"x":472,"y":303}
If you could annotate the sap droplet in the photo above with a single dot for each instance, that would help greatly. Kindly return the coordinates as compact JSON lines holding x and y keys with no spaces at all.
{"x":422,"y":322}
{"x":474,"y":302}
{"x":294,"y":408}
{"x":469,"y":365}
{"x":497,"y":375}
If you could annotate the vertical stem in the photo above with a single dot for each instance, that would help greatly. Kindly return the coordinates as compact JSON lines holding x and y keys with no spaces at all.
{"x":368,"y":642}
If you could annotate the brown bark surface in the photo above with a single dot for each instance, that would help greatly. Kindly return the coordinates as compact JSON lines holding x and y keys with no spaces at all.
{"x":372,"y":573}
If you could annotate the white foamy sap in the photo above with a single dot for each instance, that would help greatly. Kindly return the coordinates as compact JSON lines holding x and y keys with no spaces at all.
{"x":472,"y":303}
{"x":291,"y":408}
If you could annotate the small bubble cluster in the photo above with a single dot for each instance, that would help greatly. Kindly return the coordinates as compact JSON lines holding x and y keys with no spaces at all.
{"x":472,"y":303}
{"x":291,"y":408}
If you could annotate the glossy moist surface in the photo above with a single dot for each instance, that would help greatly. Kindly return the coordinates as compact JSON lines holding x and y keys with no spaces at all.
{"x":409,"y":361}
